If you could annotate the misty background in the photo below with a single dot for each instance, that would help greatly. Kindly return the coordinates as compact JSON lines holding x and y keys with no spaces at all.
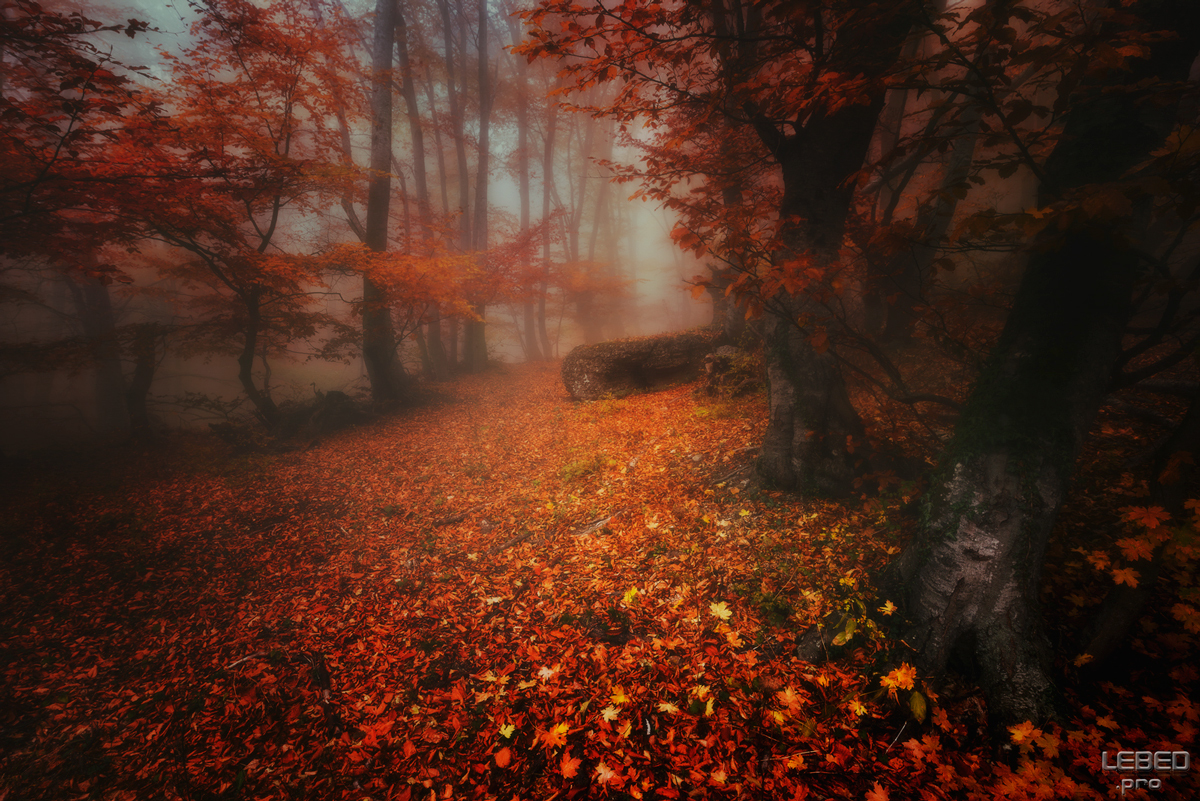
{"x":70,"y":325}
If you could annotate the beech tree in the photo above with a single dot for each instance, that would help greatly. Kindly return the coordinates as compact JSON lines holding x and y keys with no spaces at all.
{"x":971,"y":577}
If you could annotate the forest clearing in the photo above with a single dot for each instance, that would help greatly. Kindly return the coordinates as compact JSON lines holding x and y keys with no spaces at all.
{"x":506,"y":594}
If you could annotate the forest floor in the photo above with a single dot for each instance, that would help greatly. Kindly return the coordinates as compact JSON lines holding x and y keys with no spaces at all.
{"x":505,"y":594}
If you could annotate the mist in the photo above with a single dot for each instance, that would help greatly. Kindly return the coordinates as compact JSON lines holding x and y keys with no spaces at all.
{"x":591,"y":263}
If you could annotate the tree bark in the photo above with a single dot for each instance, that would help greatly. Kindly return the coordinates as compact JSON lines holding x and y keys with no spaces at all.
{"x":547,"y":193}
{"x":379,"y":338}
{"x":432,"y":350}
{"x":969,"y":581}
{"x":456,"y":122}
{"x":533,"y":350}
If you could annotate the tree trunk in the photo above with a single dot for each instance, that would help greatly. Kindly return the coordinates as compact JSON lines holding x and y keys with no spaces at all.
{"x":93,"y":305}
{"x":432,"y":351}
{"x":145,"y":360}
{"x":476,"y":356}
{"x":379,"y":338}
{"x":547,"y":193}
{"x":456,"y":122}
{"x":533,"y":350}
{"x":969,"y":581}
{"x":268,"y":412}
{"x":815,"y":439}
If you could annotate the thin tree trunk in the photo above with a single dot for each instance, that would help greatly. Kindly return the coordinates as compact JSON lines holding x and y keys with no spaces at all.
{"x":456,"y":124}
{"x":547,"y":194}
{"x":437,"y":143}
{"x":268,"y":412}
{"x":476,"y":355}
{"x":379,"y":338}
{"x":432,"y":350}
{"x":533,"y":350}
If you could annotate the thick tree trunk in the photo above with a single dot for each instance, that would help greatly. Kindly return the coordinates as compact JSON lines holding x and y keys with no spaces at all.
{"x":815,"y":439}
{"x":379,"y":338}
{"x":971,"y":576}
{"x":969,"y":581}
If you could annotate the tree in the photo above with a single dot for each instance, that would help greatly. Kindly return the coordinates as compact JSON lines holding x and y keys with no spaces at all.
{"x":810,"y":80}
{"x":65,"y":105}
{"x":971,"y":577}
{"x":249,"y":98}
{"x":1080,"y":97}
{"x":379,"y":339}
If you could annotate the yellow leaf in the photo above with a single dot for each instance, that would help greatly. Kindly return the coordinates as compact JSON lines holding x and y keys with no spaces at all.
{"x":507,"y":730}
{"x":888,"y":608}
{"x":916,"y":704}
{"x":610,"y":713}
{"x":721,"y":610}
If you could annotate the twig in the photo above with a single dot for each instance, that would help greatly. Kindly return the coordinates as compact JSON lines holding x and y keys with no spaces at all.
{"x":594,"y":525}
{"x":893,"y":742}
{"x":597,"y":524}
{"x":236,"y":662}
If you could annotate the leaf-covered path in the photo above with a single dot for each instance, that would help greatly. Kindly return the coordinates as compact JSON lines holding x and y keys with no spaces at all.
{"x":500,"y":595}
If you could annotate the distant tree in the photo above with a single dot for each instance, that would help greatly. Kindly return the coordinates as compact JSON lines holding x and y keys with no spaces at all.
{"x":249,"y":101}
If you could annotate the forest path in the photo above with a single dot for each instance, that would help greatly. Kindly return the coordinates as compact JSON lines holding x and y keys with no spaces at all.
{"x":191,"y":624}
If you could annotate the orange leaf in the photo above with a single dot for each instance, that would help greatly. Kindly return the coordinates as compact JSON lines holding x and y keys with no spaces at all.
{"x":503,"y":757}
{"x":878,"y":793}
{"x":569,"y":766}
{"x":1125,"y":575}
{"x":1148,"y":516}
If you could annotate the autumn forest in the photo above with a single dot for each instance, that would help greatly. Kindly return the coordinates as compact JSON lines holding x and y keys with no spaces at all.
{"x":533,"y":399}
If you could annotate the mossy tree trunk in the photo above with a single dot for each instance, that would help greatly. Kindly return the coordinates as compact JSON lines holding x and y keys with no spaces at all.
{"x":969,"y":581}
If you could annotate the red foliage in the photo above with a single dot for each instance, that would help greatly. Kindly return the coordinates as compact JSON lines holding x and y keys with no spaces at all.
{"x":509,"y":595}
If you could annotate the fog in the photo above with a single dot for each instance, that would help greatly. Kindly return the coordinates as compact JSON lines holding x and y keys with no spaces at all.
{"x":613,"y":271}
